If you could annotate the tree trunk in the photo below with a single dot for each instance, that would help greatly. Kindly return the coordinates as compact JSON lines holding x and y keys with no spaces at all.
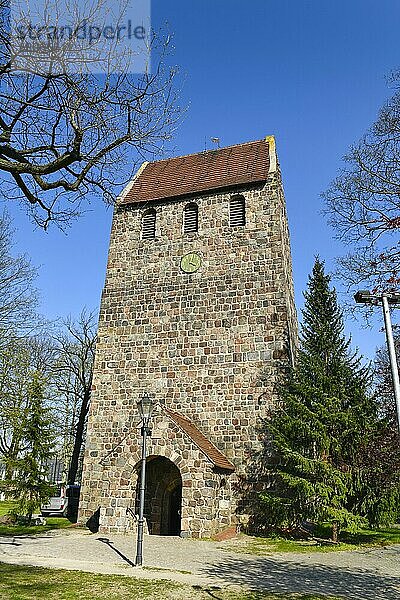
{"x":335,"y":532}
{"x":80,"y":429}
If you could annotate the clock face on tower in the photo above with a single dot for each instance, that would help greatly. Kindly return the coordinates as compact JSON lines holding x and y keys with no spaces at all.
{"x":190,"y":262}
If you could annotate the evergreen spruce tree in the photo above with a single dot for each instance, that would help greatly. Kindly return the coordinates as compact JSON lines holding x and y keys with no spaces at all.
{"x":29,"y":485}
{"x":325,"y":415}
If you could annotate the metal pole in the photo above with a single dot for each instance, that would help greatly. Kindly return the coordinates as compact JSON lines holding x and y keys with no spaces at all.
{"x":392,"y":355}
{"x":139,"y":550}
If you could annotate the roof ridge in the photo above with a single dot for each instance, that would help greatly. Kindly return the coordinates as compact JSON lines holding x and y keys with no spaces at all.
{"x":150,"y":162}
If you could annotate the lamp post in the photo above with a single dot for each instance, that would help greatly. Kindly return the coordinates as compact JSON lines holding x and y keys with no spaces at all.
{"x":145,"y":407}
{"x":385,"y":299}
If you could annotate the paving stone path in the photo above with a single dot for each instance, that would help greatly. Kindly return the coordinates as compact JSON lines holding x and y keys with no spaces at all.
{"x":368,"y":574}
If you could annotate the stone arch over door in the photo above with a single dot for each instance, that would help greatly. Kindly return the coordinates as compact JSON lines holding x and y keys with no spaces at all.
{"x":163,"y":497}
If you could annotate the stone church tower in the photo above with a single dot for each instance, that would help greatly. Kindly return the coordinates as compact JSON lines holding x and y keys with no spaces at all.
{"x":198,"y":311}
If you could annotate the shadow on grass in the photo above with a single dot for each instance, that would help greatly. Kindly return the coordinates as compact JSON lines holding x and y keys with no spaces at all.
{"x":282,"y":576}
{"x":212,"y":592}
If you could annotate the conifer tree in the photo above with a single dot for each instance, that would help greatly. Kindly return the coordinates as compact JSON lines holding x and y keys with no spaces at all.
{"x":30,"y":486}
{"x":325,"y":415}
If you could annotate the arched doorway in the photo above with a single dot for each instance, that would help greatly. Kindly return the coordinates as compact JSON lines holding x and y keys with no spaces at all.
{"x":163,"y":498}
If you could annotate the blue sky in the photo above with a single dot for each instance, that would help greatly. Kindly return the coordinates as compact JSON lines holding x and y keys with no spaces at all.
{"x":311,"y":72}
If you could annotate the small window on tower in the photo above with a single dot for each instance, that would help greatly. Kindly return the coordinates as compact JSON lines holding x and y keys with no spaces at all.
{"x":237,"y":212}
{"x":190,"y":218}
{"x":149,"y":225}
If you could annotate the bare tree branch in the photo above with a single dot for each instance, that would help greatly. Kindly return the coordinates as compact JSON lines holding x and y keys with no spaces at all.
{"x":18,"y":296}
{"x":363,"y":203}
{"x":72,"y":373}
{"x":69,"y":137}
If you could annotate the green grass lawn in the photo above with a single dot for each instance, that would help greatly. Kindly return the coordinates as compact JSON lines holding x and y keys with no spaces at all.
{"x":31,"y":583}
{"x":5,"y":507}
{"x":51,"y":523}
{"x":262,"y":546}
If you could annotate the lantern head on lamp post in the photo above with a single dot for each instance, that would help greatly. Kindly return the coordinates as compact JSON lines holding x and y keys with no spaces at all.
{"x":363,"y":297}
{"x":366,"y":297}
{"x":145,"y":407}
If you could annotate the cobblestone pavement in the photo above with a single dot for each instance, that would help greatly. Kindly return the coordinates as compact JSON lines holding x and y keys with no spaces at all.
{"x":369,"y":574}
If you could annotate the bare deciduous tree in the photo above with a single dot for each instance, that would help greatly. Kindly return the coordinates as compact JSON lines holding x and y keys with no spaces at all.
{"x":363,"y":203}
{"x":73,"y":371}
{"x":67,"y":137}
{"x":18,"y":318}
{"x":18,"y":296}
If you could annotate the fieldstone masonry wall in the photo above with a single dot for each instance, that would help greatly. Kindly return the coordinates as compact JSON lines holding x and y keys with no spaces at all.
{"x":208,"y":345}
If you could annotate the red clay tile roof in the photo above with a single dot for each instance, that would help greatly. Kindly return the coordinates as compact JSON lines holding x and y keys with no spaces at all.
{"x":213,"y":169}
{"x":198,"y":438}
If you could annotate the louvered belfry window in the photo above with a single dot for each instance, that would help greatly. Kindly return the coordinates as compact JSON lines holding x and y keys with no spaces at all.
{"x":237,"y":212}
{"x":149,"y":225}
{"x":190,"y":218}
